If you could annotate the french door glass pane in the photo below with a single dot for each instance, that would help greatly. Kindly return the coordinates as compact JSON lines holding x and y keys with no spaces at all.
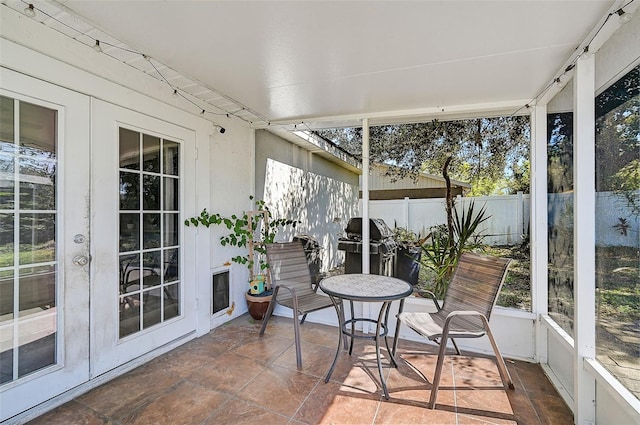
{"x":28,"y":256}
{"x":149,"y":217}
{"x":129,"y":149}
{"x":617,"y":222}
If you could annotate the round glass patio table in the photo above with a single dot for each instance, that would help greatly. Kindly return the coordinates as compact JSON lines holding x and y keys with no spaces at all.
{"x":365,"y":288}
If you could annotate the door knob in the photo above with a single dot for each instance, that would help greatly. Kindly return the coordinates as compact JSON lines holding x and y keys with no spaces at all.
{"x":80,"y":260}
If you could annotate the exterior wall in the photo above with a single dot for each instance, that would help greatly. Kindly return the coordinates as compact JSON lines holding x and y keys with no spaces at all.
{"x":381,"y":187}
{"x":378,"y":181}
{"x":231,"y":183}
{"x":297,"y":184}
{"x":35,"y":50}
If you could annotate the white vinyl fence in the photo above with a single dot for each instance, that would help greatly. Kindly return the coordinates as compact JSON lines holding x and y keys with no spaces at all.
{"x":510,"y":215}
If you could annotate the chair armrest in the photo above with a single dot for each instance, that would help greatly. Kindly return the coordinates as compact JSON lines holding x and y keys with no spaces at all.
{"x":283,"y":284}
{"x":431,"y":295}
{"x":457,"y":313}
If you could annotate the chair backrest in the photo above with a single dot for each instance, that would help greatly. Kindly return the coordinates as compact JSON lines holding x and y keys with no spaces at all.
{"x":288,"y":262}
{"x":475,"y":285}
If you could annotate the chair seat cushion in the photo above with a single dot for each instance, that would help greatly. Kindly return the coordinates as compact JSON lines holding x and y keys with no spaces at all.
{"x":425,"y":325}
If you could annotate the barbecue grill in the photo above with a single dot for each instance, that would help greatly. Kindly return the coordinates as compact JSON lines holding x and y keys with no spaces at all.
{"x":382,"y":247}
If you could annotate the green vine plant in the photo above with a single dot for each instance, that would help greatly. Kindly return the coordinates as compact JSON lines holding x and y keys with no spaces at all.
{"x":240,"y":234}
{"x":440,"y":253}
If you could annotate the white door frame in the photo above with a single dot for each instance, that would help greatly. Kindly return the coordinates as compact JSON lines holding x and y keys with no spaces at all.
{"x":72,"y":356}
{"x":107,"y":350}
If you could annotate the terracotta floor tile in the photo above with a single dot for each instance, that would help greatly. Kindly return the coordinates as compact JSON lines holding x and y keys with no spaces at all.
{"x":395,"y":412}
{"x":239,"y":412}
{"x":279,"y":389}
{"x":476,"y":371}
{"x":405,"y":383}
{"x":320,"y":334}
{"x":492,"y":400}
{"x":533,"y":379}
{"x":280,"y":326}
{"x":128,"y":392}
{"x":523,"y":408}
{"x":364,"y":376}
{"x":316,"y":359}
{"x":71,"y":413}
{"x":232,"y":376}
{"x":184,"y":362}
{"x":551,"y":409}
{"x":425,"y":363}
{"x":187,"y":403}
{"x":464,"y":419}
{"x":219,"y":376}
{"x":264,"y":348}
{"x":332,"y":403}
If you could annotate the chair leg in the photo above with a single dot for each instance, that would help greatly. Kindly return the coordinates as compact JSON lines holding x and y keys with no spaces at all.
{"x":304,"y":316}
{"x":438,"y":373}
{"x":396,"y":337}
{"x":502,"y":367}
{"x":269,"y":312}
{"x":296,"y":332}
{"x":456,"y":346}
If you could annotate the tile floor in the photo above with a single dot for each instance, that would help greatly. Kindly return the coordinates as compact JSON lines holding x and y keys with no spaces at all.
{"x":231,"y":376}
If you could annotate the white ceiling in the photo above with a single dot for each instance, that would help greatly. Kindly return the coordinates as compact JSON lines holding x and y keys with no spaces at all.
{"x":292,"y":61}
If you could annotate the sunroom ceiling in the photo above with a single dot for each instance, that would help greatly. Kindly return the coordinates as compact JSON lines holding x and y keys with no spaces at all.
{"x":326,"y":63}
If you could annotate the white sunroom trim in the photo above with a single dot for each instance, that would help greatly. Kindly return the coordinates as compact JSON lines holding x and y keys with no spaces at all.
{"x":539,"y":226}
{"x":562,"y":336}
{"x":584,"y":288}
{"x":613,"y":386}
{"x":558,"y":385}
{"x":567,"y":343}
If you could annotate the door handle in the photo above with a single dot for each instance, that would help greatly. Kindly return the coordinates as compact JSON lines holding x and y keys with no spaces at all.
{"x":80,"y":260}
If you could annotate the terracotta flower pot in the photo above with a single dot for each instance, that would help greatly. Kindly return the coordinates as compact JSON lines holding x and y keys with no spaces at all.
{"x":258,"y":304}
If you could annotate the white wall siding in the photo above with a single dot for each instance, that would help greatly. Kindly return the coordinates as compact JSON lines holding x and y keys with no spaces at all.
{"x":379,"y":181}
{"x":297,"y":184}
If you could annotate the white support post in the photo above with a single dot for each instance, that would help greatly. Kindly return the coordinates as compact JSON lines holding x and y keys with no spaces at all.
{"x":366,"y":235}
{"x":584,"y":238}
{"x":539,"y":227}
{"x":521,"y":228}
{"x":366,"y":231}
{"x":405,"y":212}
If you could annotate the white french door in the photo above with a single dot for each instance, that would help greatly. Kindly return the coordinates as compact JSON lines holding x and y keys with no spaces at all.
{"x":142,"y":285}
{"x":44,"y":241}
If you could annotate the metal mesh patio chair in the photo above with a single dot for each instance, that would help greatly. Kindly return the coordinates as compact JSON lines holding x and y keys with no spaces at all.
{"x":291,"y":280}
{"x":468,"y":303}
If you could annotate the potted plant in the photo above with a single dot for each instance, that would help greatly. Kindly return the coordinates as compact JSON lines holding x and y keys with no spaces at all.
{"x":251,"y":230}
{"x":443,"y":246}
{"x":407,"y":265}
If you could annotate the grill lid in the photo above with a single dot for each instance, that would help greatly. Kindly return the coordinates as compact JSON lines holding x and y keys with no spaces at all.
{"x":378,"y":229}
{"x":386,"y":247}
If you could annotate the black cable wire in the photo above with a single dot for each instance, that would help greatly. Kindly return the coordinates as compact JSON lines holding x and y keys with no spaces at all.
{"x":227,"y":113}
{"x":575,"y":60}
{"x":176,"y":90}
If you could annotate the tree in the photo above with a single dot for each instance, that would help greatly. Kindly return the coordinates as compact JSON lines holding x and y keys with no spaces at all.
{"x":478,"y":150}
{"x":618,"y":138}
{"x":490,"y":153}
